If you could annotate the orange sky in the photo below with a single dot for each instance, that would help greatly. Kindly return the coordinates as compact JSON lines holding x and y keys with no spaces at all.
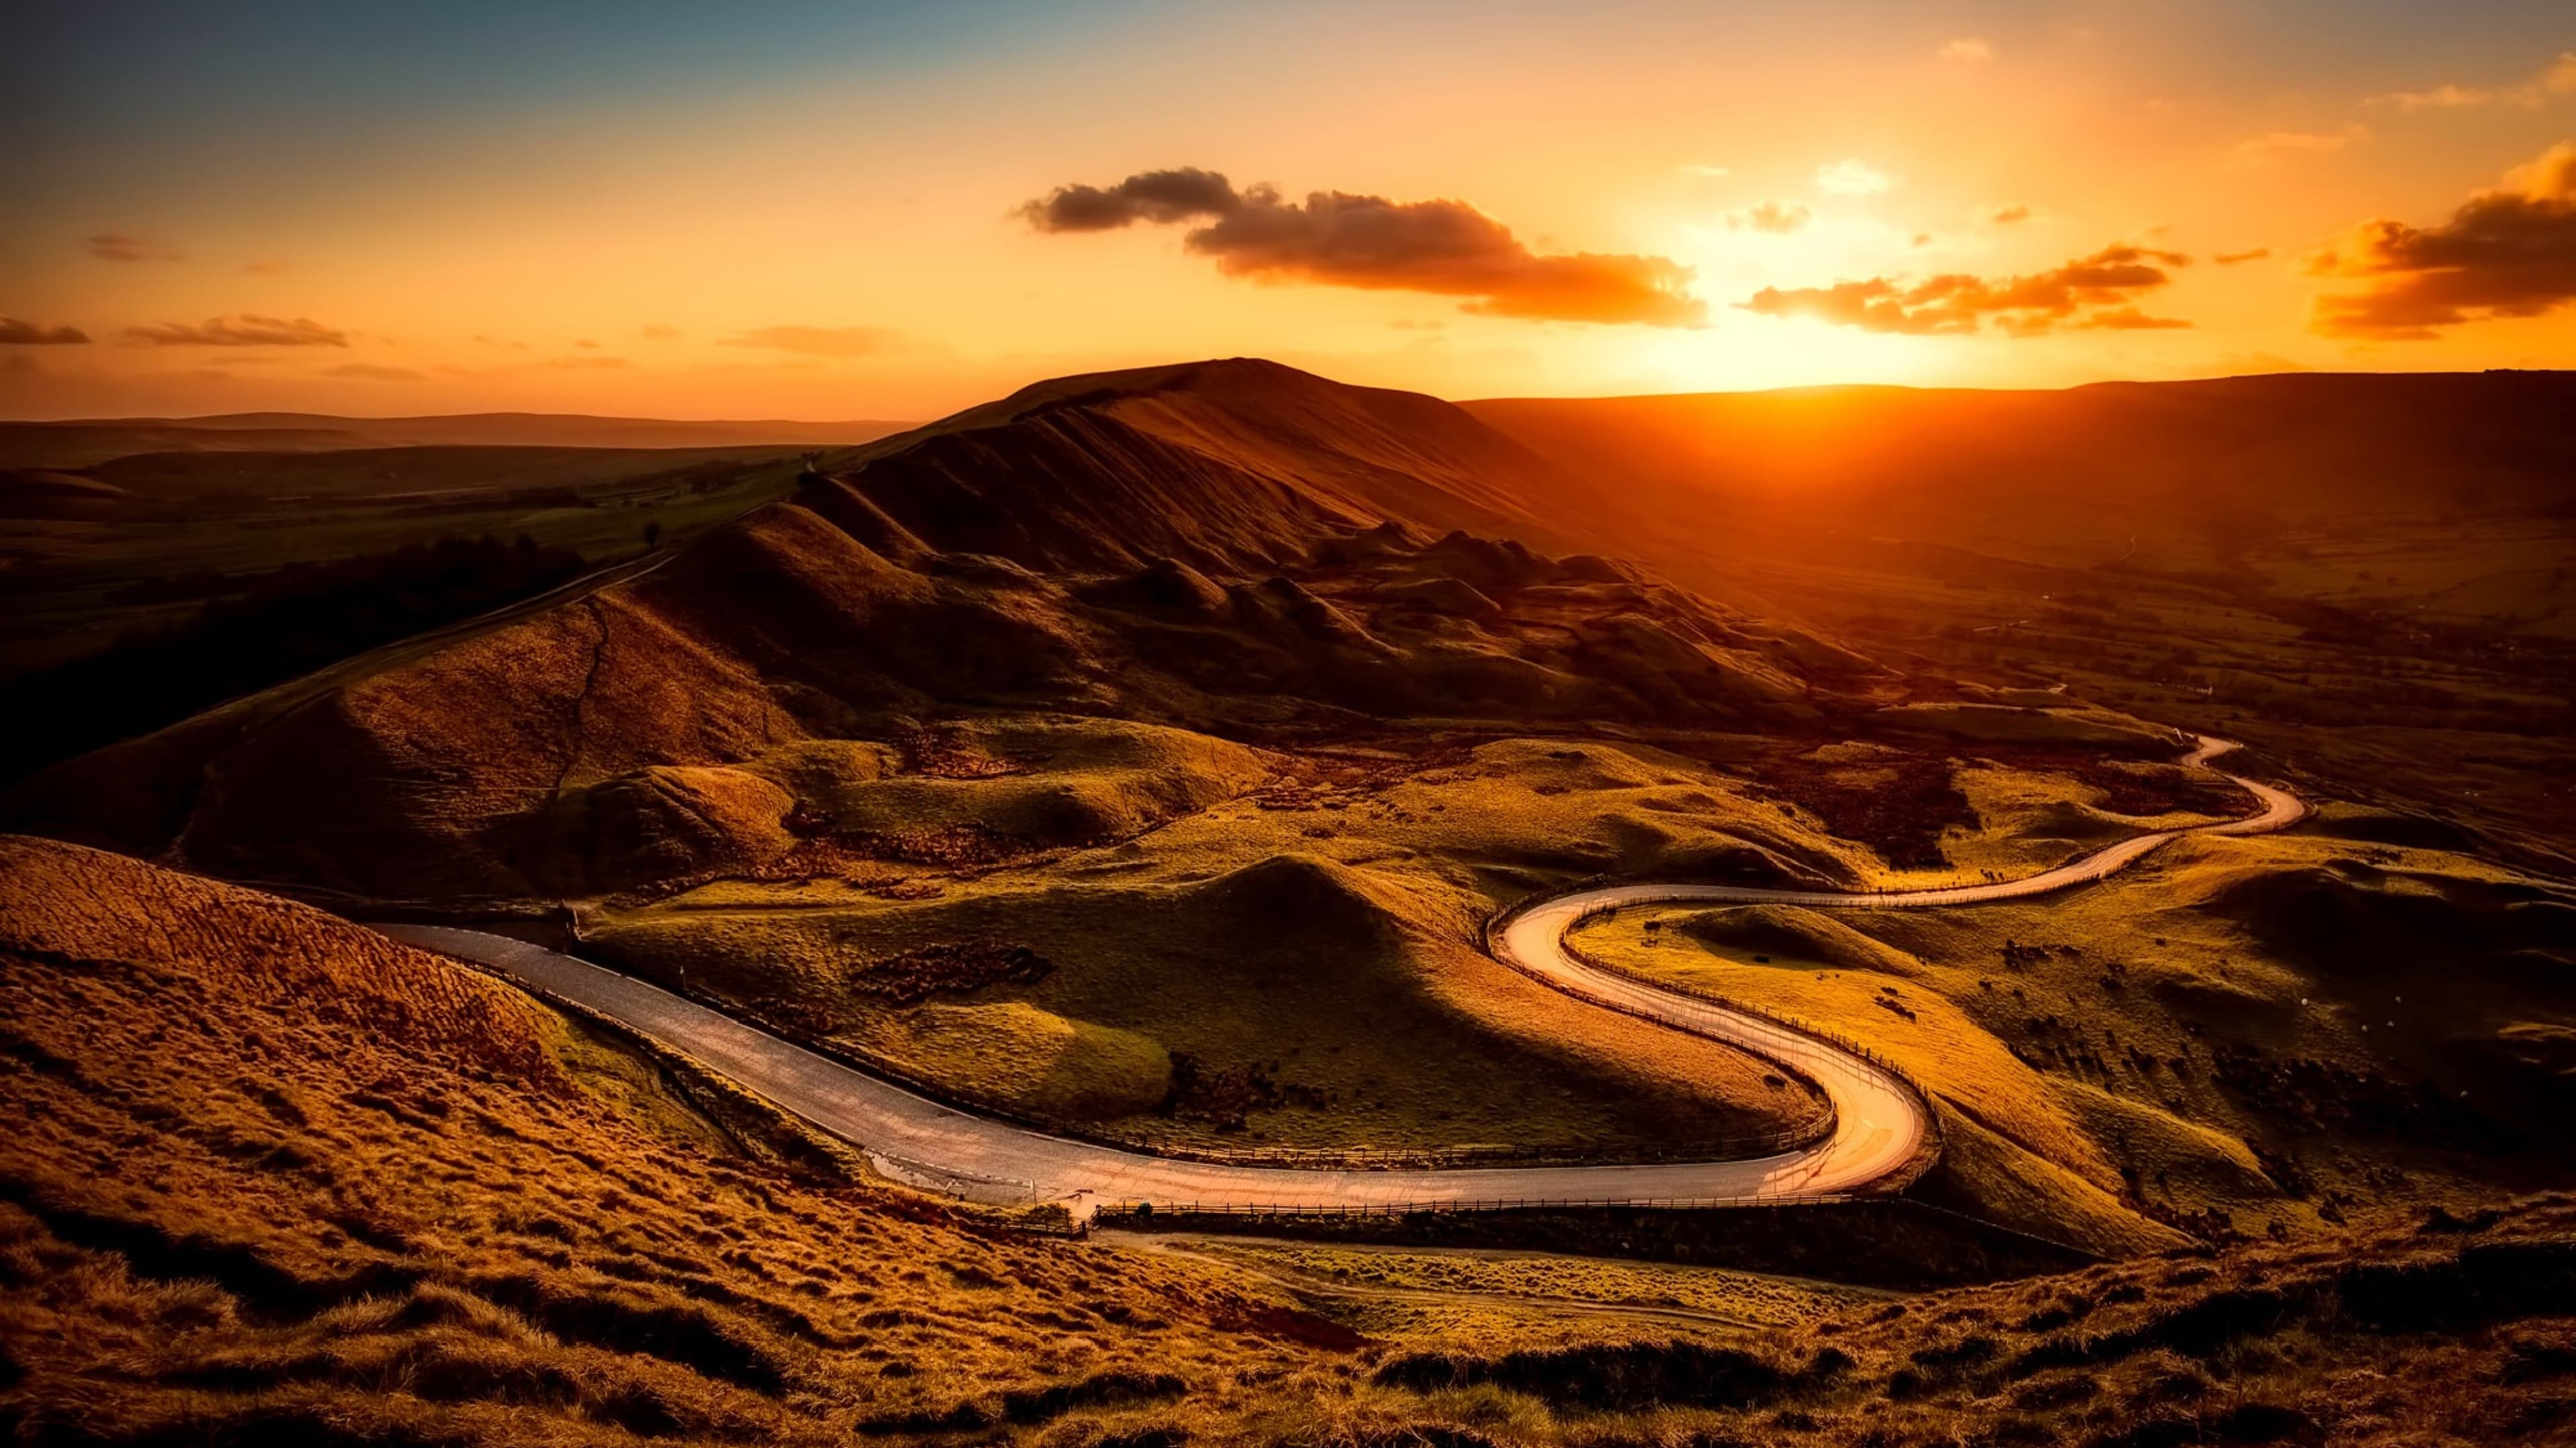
{"x":816,"y":213}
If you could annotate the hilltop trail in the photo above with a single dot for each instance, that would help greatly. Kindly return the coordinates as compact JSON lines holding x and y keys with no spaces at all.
{"x":1882,"y":1127}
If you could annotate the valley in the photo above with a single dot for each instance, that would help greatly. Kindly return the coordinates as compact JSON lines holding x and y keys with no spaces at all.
{"x":1183,"y":900}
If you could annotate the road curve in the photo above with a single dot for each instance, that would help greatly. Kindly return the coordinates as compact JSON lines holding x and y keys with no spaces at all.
{"x":1881,"y":1124}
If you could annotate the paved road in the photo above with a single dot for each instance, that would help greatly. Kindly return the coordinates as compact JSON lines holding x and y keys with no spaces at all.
{"x":1880,"y":1124}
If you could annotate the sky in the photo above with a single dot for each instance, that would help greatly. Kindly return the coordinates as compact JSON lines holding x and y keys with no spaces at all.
{"x":892,"y":211}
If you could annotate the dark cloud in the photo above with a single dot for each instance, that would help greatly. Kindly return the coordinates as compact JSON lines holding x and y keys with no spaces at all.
{"x":1184,"y":194}
{"x":2510,"y":252}
{"x":118,"y":246}
{"x":818,"y":341}
{"x":370,"y":372}
{"x":1336,"y":238}
{"x":15,"y":333}
{"x":1776,"y":217}
{"x":2231,"y":258}
{"x":242,"y":331}
{"x":2093,"y":291}
{"x":2006,"y":216}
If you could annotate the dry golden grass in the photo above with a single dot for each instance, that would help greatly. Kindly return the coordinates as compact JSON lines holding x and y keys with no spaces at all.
{"x":1324,"y":931}
{"x":2239,"y":1036}
{"x":274,"y":1179}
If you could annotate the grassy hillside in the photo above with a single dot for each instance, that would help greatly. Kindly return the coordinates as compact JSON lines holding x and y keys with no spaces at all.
{"x":2244,"y":1036}
{"x":2368,"y":576}
{"x":279,"y":1180}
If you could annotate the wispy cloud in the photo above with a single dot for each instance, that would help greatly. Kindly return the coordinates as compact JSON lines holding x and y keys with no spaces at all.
{"x":17,"y":333}
{"x":818,"y":341}
{"x":2233,"y":258}
{"x":1966,"y":50}
{"x":370,"y":372}
{"x":123,"y":246}
{"x":245,"y":330}
{"x":1779,"y":218}
{"x":2091,"y":292}
{"x":1851,"y":178}
{"x":2274,"y":147}
{"x":2558,"y":79}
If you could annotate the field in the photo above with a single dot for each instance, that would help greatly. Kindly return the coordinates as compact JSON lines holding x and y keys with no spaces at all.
{"x":182,"y":529}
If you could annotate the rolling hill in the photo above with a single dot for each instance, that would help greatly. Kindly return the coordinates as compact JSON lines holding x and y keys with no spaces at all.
{"x":80,"y":442}
{"x":1229,"y":543}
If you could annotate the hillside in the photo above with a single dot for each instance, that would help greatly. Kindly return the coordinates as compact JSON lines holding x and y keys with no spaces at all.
{"x":81,"y":442}
{"x":2369,"y":574}
{"x":356,"y":1195}
{"x":1152,"y":642}
{"x":2061,"y":472}
{"x":1226,"y":544}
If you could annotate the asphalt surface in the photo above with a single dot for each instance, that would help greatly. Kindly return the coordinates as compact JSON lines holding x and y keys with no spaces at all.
{"x":1880,"y":1124}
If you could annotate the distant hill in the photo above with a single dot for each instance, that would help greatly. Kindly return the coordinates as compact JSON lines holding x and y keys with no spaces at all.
{"x":1219,"y":545}
{"x":82,"y":442}
{"x":2078,"y":468}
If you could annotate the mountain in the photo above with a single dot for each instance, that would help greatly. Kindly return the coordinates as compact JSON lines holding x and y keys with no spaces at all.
{"x":1226,"y":546}
{"x":81,"y":442}
{"x":1241,"y":462}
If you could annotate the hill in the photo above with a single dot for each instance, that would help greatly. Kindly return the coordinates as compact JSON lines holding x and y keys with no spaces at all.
{"x":81,"y":442}
{"x":2369,"y":573}
{"x":2064,"y":473}
{"x":1003,"y":685}
{"x":1223,"y":543}
{"x":281,"y":1180}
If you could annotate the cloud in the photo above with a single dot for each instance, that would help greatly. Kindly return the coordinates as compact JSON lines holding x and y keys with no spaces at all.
{"x":2231,"y":258}
{"x":2097,"y":291}
{"x":2508,"y":252}
{"x":1850,"y":178}
{"x":2129,"y":319}
{"x":818,"y":341}
{"x":369,"y":372}
{"x":118,"y":246}
{"x":1776,"y":217}
{"x":2439,"y":98}
{"x":242,"y":331}
{"x":2007,"y":215}
{"x":1337,"y":238}
{"x":2277,"y":146}
{"x":488,"y":340}
{"x":656,"y":332}
{"x":1967,"y":49}
{"x":2557,"y":80}
{"x":15,"y":333}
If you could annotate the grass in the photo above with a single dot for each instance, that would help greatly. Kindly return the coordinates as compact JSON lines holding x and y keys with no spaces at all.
{"x":1307,"y":938}
{"x":195,"y":525}
{"x":279,"y":1179}
{"x":2241,"y":1035}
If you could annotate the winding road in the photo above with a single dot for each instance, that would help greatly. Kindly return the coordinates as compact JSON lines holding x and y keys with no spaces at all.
{"x":1881,"y":1125}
